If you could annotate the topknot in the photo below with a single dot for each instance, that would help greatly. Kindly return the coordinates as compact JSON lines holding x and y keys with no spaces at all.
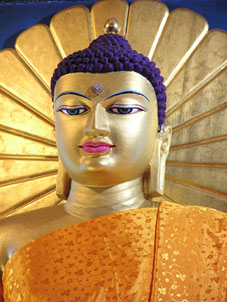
{"x":109,"y":53}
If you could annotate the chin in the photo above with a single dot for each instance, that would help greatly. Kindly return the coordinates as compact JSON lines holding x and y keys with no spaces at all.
{"x":104,"y":171}
{"x":101,"y":177}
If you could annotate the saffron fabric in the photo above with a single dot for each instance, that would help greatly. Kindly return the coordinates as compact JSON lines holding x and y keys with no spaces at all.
{"x":174,"y":253}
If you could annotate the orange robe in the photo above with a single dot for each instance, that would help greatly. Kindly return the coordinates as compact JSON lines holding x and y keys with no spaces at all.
{"x":174,"y":253}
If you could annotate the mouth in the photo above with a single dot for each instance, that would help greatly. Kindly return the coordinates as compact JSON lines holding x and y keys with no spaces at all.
{"x":96,"y":147}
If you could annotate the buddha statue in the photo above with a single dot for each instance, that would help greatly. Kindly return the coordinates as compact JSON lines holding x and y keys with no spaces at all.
{"x":109,"y":241}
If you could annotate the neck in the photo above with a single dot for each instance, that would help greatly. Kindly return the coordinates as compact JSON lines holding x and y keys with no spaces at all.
{"x":91,"y":202}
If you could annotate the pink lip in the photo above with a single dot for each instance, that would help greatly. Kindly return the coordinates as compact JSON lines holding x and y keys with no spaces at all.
{"x":96,"y":147}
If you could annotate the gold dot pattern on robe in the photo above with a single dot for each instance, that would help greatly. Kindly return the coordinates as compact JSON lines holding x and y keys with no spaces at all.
{"x":191,"y":255}
{"x":106,"y":259}
{"x":176,"y":254}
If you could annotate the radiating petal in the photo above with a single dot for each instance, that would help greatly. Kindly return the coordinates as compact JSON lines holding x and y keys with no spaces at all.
{"x":71,"y":29}
{"x":21,"y":83}
{"x":38,"y":49}
{"x":26,"y":192}
{"x":143,"y":33}
{"x":182,"y":33}
{"x":189,"y":195}
{"x":208,"y":60}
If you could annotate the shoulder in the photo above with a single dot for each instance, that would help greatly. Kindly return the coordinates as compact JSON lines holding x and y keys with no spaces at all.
{"x":18,"y":230}
{"x":29,"y":220}
{"x":191,"y":211}
{"x":198,"y":224}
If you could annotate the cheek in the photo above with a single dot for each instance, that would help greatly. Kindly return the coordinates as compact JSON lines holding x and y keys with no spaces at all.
{"x":135,"y":145}
{"x":67,"y":134}
{"x":135,"y":136}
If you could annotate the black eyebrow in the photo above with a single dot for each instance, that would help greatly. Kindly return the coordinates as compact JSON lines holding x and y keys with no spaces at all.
{"x":72,"y":92}
{"x":127,"y":91}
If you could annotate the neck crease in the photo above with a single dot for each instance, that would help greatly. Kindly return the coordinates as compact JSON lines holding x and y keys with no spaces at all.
{"x":88,"y":202}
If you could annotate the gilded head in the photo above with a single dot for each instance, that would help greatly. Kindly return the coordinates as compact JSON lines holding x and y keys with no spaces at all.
{"x":109,"y":106}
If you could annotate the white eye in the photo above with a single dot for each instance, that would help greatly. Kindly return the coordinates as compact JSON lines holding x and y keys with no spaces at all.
{"x":124,"y":109}
{"x":73,"y":111}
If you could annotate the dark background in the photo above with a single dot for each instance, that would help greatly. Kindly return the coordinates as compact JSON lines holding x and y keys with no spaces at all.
{"x":16,"y":16}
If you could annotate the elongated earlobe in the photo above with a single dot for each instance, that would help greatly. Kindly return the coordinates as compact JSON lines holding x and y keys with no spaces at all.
{"x":154,"y":178}
{"x":63,"y":181}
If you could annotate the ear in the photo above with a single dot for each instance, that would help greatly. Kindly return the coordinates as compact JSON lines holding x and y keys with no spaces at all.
{"x":63,"y":181}
{"x":155,"y":175}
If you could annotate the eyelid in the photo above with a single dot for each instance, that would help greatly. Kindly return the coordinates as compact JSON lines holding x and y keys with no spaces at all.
{"x":115,"y":109}
{"x":134,"y":106}
{"x":66,"y":110}
{"x":71,"y":107}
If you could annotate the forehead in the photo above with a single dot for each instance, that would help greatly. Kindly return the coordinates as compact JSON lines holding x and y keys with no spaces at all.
{"x":101,"y":86}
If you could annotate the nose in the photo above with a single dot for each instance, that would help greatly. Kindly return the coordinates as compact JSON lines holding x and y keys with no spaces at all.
{"x":97,"y":123}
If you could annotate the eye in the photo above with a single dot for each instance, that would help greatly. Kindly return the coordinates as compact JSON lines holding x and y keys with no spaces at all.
{"x":73,"y":111}
{"x":124,"y":109}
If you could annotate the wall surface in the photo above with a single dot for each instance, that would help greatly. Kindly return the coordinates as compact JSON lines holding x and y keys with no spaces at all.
{"x":16,"y":16}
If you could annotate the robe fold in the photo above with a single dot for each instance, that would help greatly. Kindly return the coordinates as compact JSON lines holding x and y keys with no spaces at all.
{"x":173,"y":253}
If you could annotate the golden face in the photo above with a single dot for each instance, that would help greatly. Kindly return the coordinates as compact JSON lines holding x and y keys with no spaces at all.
{"x":106,"y":126}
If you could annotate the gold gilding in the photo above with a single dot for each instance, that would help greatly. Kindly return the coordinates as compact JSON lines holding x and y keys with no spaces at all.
{"x":197,"y":164}
{"x":182,"y":25}
{"x":71,"y":29}
{"x":43,"y":59}
{"x":28,"y":135}
{"x":200,"y":117}
{"x":63,"y":183}
{"x":201,"y":153}
{"x":155,"y":174}
{"x":102,"y":11}
{"x":87,"y":202}
{"x":200,"y":142}
{"x":17,"y":80}
{"x":193,"y":185}
{"x":15,"y":116}
{"x":185,"y":193}
{"x":29,"y":157}
{"x":26,"y":192}
{"x":125,"y":132}
{"x":112,"y":26}
{"x":144,"y":33}
{"x":18,"y":145}
{"x":26,"y":178}
{"x":208,"y":126}
{"x":206,"y":82}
